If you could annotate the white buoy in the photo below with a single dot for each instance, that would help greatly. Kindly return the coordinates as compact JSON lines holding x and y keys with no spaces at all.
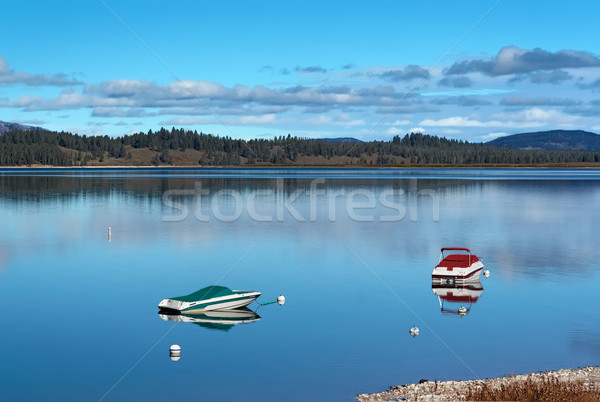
{"x":413,"y":331}
{"x":109,"y":236}
{"x":175,"y":352}
{"x":462,"y":311}
{"x":281,"y":300}
{"x":486,"y":273}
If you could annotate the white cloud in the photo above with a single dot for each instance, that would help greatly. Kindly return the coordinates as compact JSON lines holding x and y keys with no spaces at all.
{"x":537,"y":117}
{"x":514,"y":60}
{"x":264,"y":119}
{"x":21,"y":101}
{"x":529,"y":118}
{"x":181,"y":121}
{"x":395,"y":131}
{"x":454,"y":121}
{"x":341,"y":119}
{"x":181,"y":94}
{"x":333,"y":102}
{"x":449,"y":131}
{"x":471,"y":91}
{"x":491,"y":136}
{"x":9,"y":76}
{"x":407,"y":73}
{"x":521,"y":101}
{"x":119,"y":112}
{"x":32,"y":122}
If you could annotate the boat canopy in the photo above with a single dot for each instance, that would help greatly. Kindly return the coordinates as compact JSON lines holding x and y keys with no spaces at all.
{"x":205,"y":293}
{"x":456,"y":249}
{"x":457,"y":261}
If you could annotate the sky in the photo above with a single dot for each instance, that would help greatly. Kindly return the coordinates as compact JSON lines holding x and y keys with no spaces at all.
{"x":469,"y":70}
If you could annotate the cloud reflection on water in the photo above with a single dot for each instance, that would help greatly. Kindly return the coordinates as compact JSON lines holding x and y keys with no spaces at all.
{"x":506,"y":221}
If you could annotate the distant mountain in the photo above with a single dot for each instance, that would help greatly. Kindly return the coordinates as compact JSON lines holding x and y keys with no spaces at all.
{"x":5,"y":126}
{"x":555,"y":139}
{"x":339,"y":139}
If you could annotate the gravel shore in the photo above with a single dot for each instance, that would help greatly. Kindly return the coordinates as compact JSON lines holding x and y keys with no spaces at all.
{"x":589,"y":377}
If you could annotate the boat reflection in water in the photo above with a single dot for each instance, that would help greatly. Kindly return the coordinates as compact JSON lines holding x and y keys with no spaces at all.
{"x":457,"y":298}
{"x":221,"y":320}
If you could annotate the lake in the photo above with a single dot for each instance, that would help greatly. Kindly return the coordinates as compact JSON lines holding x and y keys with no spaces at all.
{"x":351,"y":250}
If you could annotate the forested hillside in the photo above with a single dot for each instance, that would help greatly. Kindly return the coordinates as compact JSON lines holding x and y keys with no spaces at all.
{"x":554,"y":139}
{"x":177,"y":147}
{"x":6,"y":126}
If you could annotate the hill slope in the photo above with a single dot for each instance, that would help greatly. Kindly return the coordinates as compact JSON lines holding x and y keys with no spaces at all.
{"x":6,"y":126}
{"x":555,"y":139}
{"x":177,"y":147}
{"x":339,"y":139}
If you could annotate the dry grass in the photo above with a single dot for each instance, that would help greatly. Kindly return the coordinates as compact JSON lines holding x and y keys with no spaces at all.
{"x":191,"y":157}
{"x":532,"y":390}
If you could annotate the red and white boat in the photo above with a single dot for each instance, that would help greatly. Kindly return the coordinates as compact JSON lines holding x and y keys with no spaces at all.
{"x":457,"y":268}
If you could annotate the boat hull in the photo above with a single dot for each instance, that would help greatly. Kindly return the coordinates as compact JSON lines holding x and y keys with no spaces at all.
{"x":442,"y":275}
{"x":228,"y":302}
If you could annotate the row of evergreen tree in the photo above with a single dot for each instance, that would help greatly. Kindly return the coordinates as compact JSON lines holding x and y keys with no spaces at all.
{"x":26,"y":147}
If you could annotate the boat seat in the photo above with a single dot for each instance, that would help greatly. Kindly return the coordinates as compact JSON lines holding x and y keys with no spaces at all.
{"x":457,"y":261}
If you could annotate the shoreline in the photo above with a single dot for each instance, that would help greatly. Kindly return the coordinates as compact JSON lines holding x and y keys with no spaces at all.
{"x":253,"y":167}
{"x":583,"y":381}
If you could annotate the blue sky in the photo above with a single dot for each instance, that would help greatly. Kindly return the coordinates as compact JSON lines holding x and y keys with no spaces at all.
{"x":472,"y":70}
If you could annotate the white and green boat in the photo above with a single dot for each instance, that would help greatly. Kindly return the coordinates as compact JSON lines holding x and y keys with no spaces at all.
{"x":209,"y":298}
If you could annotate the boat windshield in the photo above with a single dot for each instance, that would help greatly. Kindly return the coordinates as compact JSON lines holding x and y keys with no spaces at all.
{"x":205,"y":293}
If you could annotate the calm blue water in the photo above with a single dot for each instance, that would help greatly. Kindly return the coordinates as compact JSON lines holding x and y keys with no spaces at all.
{"x":351,"y":250}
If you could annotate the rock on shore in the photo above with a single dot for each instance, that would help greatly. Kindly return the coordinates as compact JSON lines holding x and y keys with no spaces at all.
{"x":457,"y":390}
